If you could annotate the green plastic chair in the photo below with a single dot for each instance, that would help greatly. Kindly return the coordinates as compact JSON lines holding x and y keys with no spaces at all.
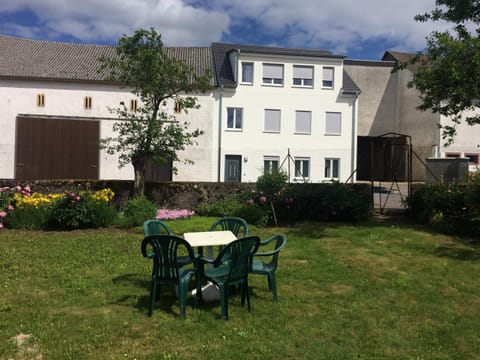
{"x":155,"y":227}
{"x":158,"y":227}
{"x":236,"y":225}
{"x":164,"y":250}
{"x":266,"y":262}
{"x":231,"y":267}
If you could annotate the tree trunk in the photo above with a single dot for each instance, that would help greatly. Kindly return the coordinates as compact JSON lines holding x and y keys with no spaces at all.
{"x":139,"y":182}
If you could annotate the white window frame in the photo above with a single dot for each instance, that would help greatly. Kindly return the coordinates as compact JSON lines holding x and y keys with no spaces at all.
{"x":269,"y":162}
{"x":333,"y":123}
{"x":237,"y":124}
{"x":243,"y":80}
{"x":300,"y":164}
{"x":273,"y":74}
{"x":328,"y":77}
{"x":302,"y":77}
{"x":329,"y":172}
{"x":301,"y":116}
{"x":272,"y":129}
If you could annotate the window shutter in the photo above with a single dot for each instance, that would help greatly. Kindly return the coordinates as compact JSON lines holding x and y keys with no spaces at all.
{"x":303,"y":72}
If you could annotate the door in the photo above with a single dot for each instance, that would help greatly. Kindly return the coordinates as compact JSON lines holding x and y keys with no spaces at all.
{"x":233,"y":168}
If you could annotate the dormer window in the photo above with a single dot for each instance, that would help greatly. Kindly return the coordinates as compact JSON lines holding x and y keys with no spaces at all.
{"x":247,"y":73}
{"x":303,"y":76}
{"x":272,"y":74}
{"x":327,"y":79}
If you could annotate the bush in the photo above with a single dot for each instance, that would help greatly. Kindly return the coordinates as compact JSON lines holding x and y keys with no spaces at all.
{"x":81,"y":211}
{"x":227,"y":207}
{"x":137,"y":211}
{"x":29,"y":217}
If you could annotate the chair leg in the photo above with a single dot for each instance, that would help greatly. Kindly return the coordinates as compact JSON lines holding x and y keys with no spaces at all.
{"x":224,"y":301}
{"x":153,"y":288}
{"x":182,"y":289}
{"x":248,"y":295}
{"x":271,"y":280}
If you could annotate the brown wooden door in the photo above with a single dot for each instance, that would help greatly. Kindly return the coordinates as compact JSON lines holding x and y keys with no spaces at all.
{"x":54,"y":148}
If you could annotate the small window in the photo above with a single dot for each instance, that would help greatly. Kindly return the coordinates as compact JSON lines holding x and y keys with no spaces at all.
{"x":272,"y":121}
{"x":303,"y":76}
{"x":327,"y":79}
{"x":133,"y":105}
{"x":272,"y":74}
{"x":247,"y":73}
{"x":303,"y":122}
{"x":234,"y":118}
{"x":177,"y":107}
{"x":333,"y":123}
{"x":270,"y":164}
{"x":332,"y":169}
{"x":302,"y":168}
{"x":472,"y":159}
{"x":452,"y":155}
{"x":87,"y":102}
{"x":40,"y":100}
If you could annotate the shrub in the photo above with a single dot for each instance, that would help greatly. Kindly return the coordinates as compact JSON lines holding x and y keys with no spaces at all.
{"x":227,"y":207}
{"x":29,"y":217}
{"x":137,"y":211}
{"x":8,"y":198}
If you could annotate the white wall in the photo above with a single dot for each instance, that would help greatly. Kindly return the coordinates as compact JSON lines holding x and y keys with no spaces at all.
{"x":253,"y":143}
{"x":66,"y":100}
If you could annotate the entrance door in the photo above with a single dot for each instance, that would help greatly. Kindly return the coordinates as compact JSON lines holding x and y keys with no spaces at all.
{"x":233,"y":168}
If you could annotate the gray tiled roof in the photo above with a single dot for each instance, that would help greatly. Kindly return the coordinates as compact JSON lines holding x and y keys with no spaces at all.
{"x":36,"y":59}
{"x":349,"y":85}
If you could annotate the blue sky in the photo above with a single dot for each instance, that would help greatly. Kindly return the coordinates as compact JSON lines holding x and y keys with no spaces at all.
{"x":359,"y":29}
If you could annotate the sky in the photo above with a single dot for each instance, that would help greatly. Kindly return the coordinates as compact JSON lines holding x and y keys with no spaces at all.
{"x":358,"y":29}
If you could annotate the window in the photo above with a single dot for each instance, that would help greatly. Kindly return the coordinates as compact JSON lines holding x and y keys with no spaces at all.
{"x":303,"y":76}
{"x":327,"y":79}
{"x":272,"y":120}
{"x":472,"y":158}
{"x":247,"y":73}
{"x":302,"y":168}
{"x":303,"y":122}
{"x":41,"y":100}
{"x":333,"y":123}
{"x":87,"y":102}
{"x":270,"y":164}
{"x":133,"y":105}
{"x":177,"y":107}
{"x":272,"y":74}
{"x":331,"y":168}
{"x":234,"y":118}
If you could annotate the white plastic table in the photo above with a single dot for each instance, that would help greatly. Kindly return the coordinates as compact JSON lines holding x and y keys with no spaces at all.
{"x":209,"y":239}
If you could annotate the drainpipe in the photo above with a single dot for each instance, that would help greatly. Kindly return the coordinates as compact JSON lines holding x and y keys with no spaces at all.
{"x":220,"y":111}
{"x":354,"y":138}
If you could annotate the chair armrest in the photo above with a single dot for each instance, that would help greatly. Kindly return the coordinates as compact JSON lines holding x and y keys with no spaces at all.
{"x":266,"y":253}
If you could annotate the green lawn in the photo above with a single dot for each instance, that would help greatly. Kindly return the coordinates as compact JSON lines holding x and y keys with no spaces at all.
{"x":372,"y":291}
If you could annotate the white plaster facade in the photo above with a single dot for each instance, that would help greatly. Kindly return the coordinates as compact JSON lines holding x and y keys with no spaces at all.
{"x":254,"y":143}
{"x":65,"y":99}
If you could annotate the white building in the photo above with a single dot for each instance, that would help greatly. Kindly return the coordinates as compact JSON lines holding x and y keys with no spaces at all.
{"x":270,"y":107}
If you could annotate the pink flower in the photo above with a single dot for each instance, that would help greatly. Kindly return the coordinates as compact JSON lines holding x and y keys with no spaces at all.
{"x":10,"y":207}
{"x":3,"y":214}
{"x":250,"y":201}
{"x":1,"y":226}
{"x":263,"y":199}
{"x":78,"y":198}
{"x":27,"y":188}
{"x":18,"y":188}
{"x":72,"y":195}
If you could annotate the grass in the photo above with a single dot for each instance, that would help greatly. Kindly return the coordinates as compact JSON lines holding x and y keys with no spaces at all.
{"x":371,"y":291}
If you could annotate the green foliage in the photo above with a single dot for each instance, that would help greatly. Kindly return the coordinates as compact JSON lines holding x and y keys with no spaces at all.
{"x":137,"y":211}
{"x":447,"y":73}
{"x":29,"y":217}
{"x":330,"y":202}
{"x":227,"y":207}
{"x":448,"y":207}
{"x":80,"y":211}
{"x":150,"y":133}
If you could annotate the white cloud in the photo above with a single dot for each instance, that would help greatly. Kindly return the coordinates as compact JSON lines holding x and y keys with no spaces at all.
{"x":336,"y":25}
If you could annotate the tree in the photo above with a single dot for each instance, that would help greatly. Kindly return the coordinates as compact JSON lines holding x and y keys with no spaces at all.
{"x":149,"y":133}
{"x":448,"y":71}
